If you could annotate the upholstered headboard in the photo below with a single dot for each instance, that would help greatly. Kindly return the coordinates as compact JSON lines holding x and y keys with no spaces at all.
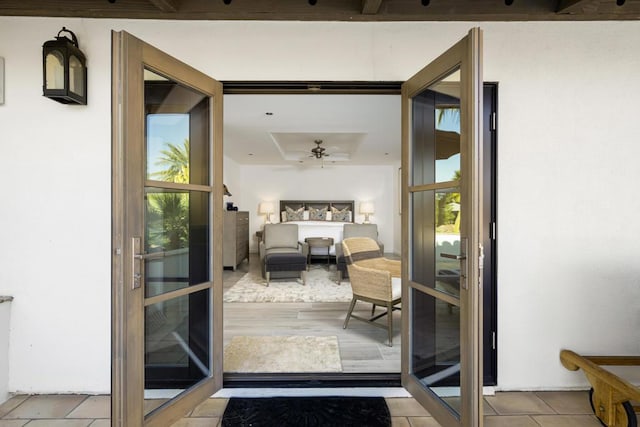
{"x":330,"y":206}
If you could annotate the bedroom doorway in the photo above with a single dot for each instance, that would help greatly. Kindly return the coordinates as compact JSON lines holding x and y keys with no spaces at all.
{"x":376,"y":361}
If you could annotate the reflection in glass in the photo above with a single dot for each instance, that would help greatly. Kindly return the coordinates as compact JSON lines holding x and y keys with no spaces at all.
{"x":435,"y":139}
{"x":176,"y":131}
{"x":177,"y":333}
{"x":177,"y":226}
{"x":447,"y":241}
{"x":435,"y":358}
{"x":435,"y":239}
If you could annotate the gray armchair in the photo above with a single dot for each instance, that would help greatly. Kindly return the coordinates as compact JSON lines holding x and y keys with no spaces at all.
{"x":354,"y":230}
{"x":281,"y":254}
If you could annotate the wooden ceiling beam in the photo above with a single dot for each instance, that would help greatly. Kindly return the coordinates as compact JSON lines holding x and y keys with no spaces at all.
{"x":371,"y":7}
{"x":166,"y":5}
{"x":572,"y":6}
{"x":330,"y":10}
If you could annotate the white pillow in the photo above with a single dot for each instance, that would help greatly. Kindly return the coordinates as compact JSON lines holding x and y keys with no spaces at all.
{"x":283,"y":216}
{"x":328,"y":217}
{"x":305,"y":216}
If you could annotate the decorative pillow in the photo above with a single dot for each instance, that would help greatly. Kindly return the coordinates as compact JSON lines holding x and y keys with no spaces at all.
{"x":305,"y":216}
{"x":317,"y":214}
{"x":294,"y":215}
{"x":340,"y":214}
{"x":328,"y":217}
{"x":283,"y":216}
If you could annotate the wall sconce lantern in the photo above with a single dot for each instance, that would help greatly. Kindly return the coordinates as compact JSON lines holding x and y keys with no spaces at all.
{"x":64,"y":70}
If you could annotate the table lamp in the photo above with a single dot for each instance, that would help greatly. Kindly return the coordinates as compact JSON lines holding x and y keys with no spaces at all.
{"x":367,"y":208}
{"x":266,"y":208}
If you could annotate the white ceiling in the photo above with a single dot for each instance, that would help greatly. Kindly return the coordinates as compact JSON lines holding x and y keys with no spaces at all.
{"x":281,"y":129}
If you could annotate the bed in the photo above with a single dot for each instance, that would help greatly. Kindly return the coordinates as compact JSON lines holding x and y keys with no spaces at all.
{"x":318,"y":218}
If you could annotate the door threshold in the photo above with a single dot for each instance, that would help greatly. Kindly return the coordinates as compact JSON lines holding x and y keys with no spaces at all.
{"x":310,"y":380}
{"x":323,"y":391}
{"x":227,"y":393}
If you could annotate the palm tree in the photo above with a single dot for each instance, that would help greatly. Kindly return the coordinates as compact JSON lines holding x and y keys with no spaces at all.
{"x":448,"y":112}
{"x":176,"y":160}
{"x":168,"y":213}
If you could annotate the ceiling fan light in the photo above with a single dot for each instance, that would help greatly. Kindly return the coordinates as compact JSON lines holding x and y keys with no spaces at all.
{"x":318,"y":151}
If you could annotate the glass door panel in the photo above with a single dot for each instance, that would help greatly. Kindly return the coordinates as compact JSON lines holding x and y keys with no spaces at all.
{"x":176,"y":239}
{"x":441,"y":366}
{"x":176,"y":256}
{"x":435,"y":347}
{"x":177,"y":341}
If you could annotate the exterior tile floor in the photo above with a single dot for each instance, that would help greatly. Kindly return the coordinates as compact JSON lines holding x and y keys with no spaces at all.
{"x":505,"y":409}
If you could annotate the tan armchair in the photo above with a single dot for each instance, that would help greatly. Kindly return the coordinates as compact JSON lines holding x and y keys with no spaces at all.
{"x":354,"y":230}
{"x":374,"y":279}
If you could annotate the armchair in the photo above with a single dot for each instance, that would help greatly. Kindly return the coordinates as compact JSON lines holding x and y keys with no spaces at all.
{"x":374,"y":279}
{"x":354,"y":230}
{"x":281,"y":254}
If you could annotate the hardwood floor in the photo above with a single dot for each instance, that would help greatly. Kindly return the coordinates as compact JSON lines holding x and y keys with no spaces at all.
{"x":363,"y":348}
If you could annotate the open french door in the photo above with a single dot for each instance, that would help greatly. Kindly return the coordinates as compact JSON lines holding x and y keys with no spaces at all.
{"x":441,"y":234}
{"x":167,"y":197}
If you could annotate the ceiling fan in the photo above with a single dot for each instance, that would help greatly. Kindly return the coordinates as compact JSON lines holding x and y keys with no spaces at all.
{"x":318,"y":152}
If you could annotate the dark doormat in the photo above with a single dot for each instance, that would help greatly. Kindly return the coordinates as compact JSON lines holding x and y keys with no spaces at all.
{"x":307,"y":412}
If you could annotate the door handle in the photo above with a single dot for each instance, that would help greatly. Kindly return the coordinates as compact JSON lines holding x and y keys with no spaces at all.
{"x":136,"y":263}
{"x":453,"y":256}
{"x":464,"y":264}
{"x":148,"y":257}
{"x":138,"y":259}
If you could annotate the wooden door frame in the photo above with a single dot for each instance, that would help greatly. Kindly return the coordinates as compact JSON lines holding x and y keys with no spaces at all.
{"x":314,"y":87}
{"x":130,"y":57}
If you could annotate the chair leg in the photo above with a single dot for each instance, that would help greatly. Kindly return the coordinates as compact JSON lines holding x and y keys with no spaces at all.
{"x":351,"y":306}
{"x":373,"y":309}
{"x":267,"y":275}
{"x":390,"y":322}
{"x":339,"y":274}
{"x":303,"y":276}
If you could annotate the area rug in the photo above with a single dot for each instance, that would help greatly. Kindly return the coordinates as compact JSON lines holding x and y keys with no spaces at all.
{"x":307,"y":412}
{"x":290,"y":354}
{"x":320,"y":287}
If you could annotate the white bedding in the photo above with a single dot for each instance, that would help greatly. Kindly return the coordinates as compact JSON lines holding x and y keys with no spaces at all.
{"x":320,"y":229}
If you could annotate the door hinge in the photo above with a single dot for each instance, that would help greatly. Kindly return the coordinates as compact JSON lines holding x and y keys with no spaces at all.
{"x":492,"y":230}
{"x":493,"y":121}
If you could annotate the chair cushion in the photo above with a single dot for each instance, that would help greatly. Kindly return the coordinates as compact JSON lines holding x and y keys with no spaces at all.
{"x":285,"y":262}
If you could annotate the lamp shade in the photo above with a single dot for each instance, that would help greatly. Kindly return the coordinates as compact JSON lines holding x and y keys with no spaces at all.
{"x":367,"y":208}
{"x":266,"y":208}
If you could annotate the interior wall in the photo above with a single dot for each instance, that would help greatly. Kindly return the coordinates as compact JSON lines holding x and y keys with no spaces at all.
{"x":567,"y":164}
{"x":333,"y":182}
{"x":232,"y":179}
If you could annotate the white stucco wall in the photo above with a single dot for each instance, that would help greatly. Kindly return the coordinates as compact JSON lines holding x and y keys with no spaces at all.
{"x":567,"y":164}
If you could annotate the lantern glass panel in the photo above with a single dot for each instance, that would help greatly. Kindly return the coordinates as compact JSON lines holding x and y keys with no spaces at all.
{"x":55,"y":70}
{"x":76,"y":76}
